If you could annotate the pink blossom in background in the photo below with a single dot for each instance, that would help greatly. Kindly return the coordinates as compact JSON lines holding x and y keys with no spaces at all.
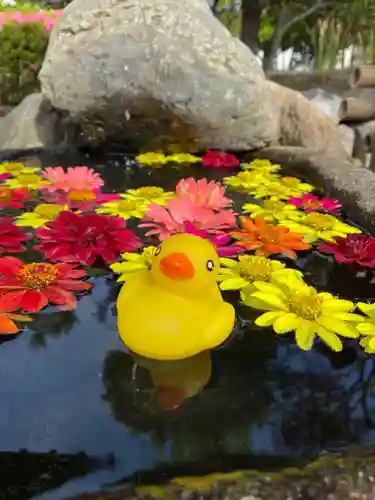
{"x":310,"y":203}
{"x":48,"y":18}
{"x":203,"y":193}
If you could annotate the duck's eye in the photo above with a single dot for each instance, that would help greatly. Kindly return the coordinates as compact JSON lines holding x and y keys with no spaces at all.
{"x":210,"y":265}
{"x":157,"y":251}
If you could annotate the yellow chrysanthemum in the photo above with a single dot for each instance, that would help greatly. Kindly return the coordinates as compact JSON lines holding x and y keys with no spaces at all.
{"x":281,"y":189}
{"x":28,"y":180}
{"x":273,"y":210}
{"x":14,"y":168}
{"x":152,"y":159}
{"x":240,"y":275}
{"x":150,"y":195}
{"x":245,"y":181}
{"x":261,"y":166}
{"x":125,"y":208}
{"x":316,"y":226}
{"x":183,"y":158}
{"x":40,"y":215}
{"x":367,"y":327}
{"x":292,"y":305}
{"x":133,"y":262}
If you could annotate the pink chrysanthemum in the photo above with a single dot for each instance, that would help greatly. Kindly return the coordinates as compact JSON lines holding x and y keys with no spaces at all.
{"x":220,"y":241}
{"x":75,"y":178}
{"x":164,"y":222}
{"x":203,"y":193}
{"x":80,"y":199}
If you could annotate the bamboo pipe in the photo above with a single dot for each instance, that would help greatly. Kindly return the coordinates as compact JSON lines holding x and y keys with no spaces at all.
{"x":362,"y":76}
{"x":356,"y":110}
{"x":372,"y":157}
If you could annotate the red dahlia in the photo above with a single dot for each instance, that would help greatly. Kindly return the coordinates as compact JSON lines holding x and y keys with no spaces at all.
{"x":12,"y":238}
{"x":357,"y":248}
{"x":73,"y":237}
{"x":218,"y":159}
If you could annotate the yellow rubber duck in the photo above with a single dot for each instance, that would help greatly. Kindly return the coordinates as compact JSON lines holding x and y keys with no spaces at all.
{"x":177,"y":380}
{"x":175,"y":310}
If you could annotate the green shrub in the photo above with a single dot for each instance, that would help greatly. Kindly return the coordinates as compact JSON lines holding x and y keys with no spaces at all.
{"x":22,"y":49}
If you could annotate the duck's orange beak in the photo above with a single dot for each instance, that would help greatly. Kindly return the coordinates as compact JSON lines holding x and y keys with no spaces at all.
{"x":177,"y":266}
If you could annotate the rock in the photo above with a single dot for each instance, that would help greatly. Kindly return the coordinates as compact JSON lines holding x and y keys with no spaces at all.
{"x":303,"y":124}
{"x":31,"y":124}
{"x":4,"y":110}
{"x":157,"y":73}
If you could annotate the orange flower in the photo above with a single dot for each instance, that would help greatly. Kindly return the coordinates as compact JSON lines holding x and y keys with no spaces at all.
{"x":266,"y":239}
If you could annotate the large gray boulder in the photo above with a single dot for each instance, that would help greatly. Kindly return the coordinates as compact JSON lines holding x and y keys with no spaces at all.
{"x":157,"y":73}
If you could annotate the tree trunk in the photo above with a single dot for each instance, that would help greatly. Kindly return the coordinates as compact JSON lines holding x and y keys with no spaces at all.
{"x":251,"y":13}
{"x":270,"y":56}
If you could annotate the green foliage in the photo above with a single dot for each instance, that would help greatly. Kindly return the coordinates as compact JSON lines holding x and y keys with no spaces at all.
{"x":22,"y":49}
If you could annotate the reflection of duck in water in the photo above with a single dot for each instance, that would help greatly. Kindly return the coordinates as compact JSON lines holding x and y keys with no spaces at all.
{"x":175,"y":310}
{"x":177,"y":380}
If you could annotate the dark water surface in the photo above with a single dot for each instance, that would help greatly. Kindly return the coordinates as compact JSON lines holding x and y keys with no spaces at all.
{"x":67,"y":384}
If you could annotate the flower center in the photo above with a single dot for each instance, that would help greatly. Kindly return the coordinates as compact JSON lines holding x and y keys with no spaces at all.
{"x":255,"y":269}
{"x":28,"y":179}
{"x":149,"y":192}
{"x":127,"y":205}
{"x":5,"y":194}
{"x":305,"y":306}
{"x":81,"y":195}
{"x":312,"y":204}
{"x":38,"y":275}
{"x":48,"y":211}
{"x":291,"y":182}
{"x":274,"y":205}
{"x":269,"y":235}
{"x":320,"y":221}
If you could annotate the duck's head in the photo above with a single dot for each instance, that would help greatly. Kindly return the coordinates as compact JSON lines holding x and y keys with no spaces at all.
{"x":186,"y":264}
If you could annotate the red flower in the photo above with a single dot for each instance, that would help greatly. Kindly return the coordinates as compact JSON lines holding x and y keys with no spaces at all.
{"x":32,"y":286}
{"x":12,"y":237}
{"x":357,"y":248}
{"x":217,"y":159}
{"x":83,"y":238}
{"x":13,"y":198}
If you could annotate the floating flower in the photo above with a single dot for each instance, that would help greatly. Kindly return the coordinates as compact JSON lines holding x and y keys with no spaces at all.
{"x":261,"y":166}
{"x":152,"y":159}
{"x":272,"y":210}
{"x":219,"y":159}
{"x":15,"y":169}
{"x":13,"y":198}
{"x":266,"y":239}
{"x":310,"y":203}
{"x":149,"y":195}
{"x":84,"y":200}
{"x":125,"y":208}
{"x":203,"y":193}
{"x":220,"y":241}
{"x":171,"y":220}
{"x":41,"y":214}
{"x":133,"y":262}
{"x":182,"y":158}
{"x":32,"y":286}
{"x":238,"y":275}
{"x":358,"y":248}
{"x":7,"y":322}
{"x":249,"y":180}
{"x":4,"y":177}
{"x":12,"y":237}
{"x":75,"y":178}
{"x":281,"y":189}
{"x":367,"y":327}
{"x":292,"y":305}
{"x":316,"y":226}
{"x":31,"y":181}
{"x":77,"y":238}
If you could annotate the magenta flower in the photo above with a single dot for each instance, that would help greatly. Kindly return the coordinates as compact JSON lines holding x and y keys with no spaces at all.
{"x":310,"y":203}
{"x":358,"y":248}
{"x":220,"y":241}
